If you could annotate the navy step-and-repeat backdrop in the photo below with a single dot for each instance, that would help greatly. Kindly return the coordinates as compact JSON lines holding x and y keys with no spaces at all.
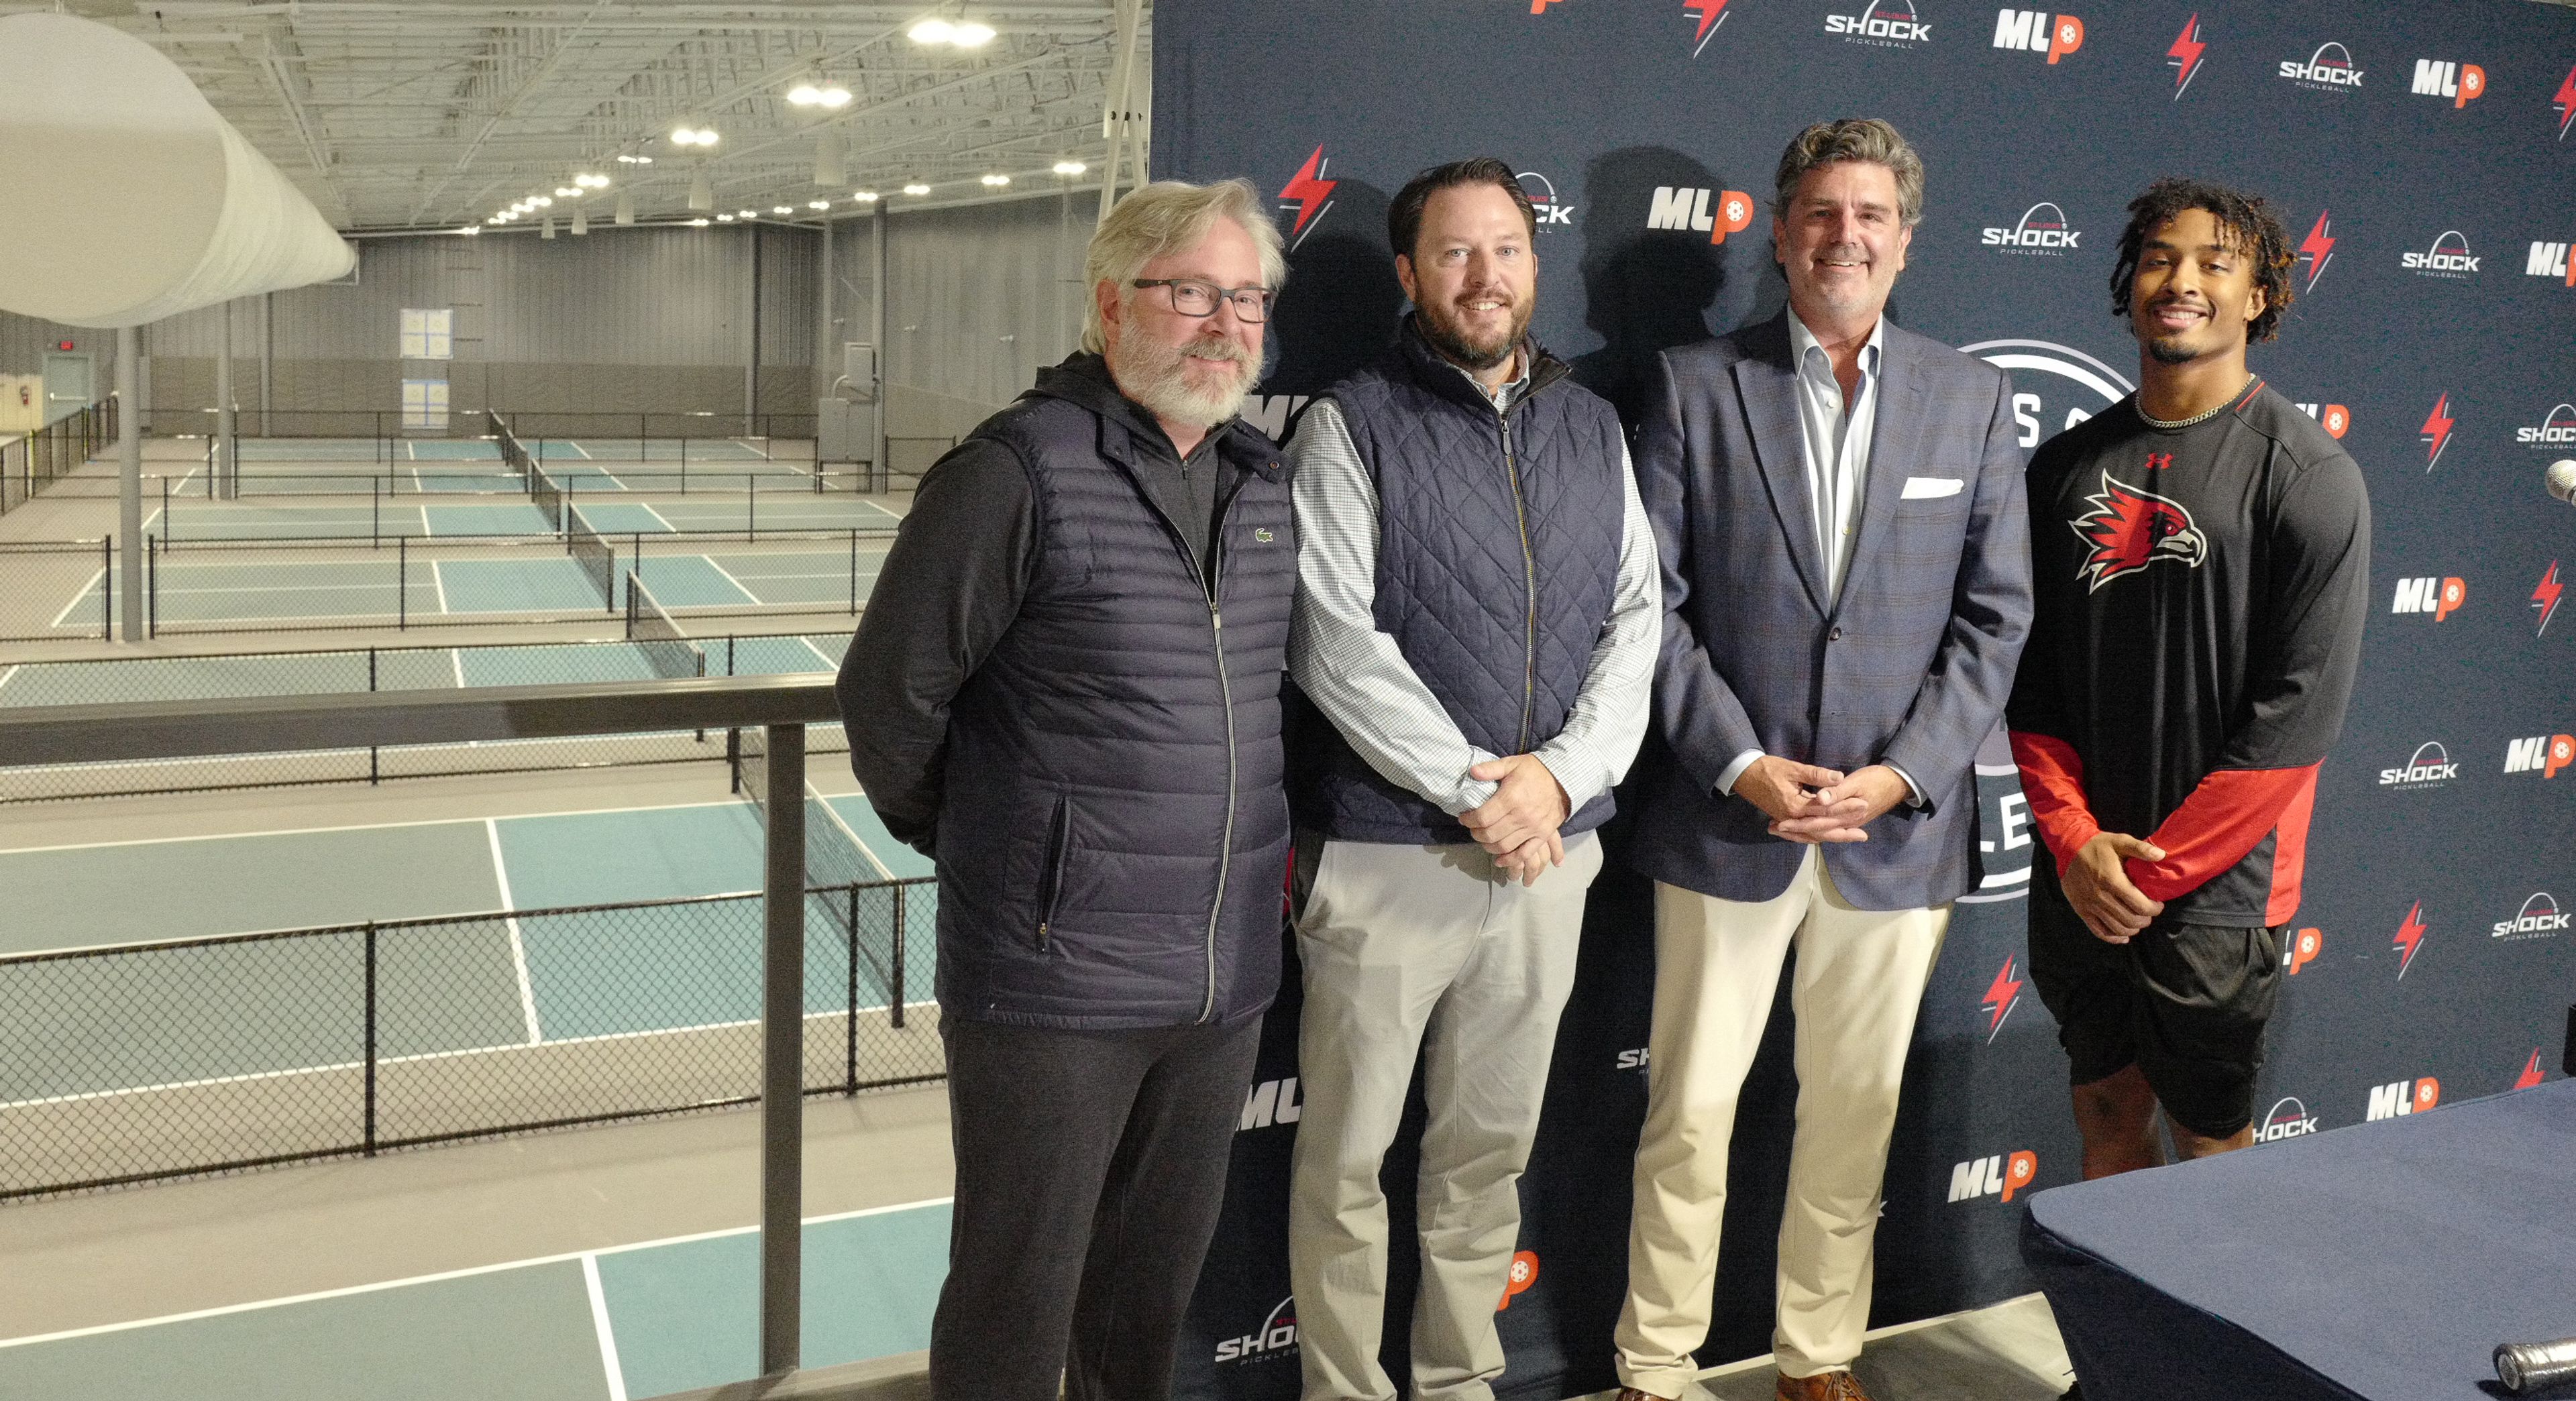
{"x":2422,"y":158}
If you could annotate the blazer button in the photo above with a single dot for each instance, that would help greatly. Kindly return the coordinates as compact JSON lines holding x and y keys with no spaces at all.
{"x":1835,"y":636}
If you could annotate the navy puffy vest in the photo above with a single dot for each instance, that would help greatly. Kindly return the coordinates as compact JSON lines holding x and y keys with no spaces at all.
{"x":1113,"y":830}
{"x":1498,"y":561}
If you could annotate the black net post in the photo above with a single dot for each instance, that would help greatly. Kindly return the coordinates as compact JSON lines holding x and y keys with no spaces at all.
{"x":902,"y":931}
{"x":851,"y":1084}
{"x":750,"y":507}
{"x":370,"y":1137}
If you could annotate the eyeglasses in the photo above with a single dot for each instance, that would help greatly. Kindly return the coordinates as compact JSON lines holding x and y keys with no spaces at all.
{"x":1192,"y":297}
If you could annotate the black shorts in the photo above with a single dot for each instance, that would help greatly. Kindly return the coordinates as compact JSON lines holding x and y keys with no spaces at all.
{"x":2185,"y":1003}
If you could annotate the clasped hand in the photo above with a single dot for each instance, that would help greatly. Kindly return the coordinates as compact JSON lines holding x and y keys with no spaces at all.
{"x":1813,"y":805}
{"x":1517,"y":825}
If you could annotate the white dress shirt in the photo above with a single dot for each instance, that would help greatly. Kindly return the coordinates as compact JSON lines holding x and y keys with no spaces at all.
{"x":1833,"y":443}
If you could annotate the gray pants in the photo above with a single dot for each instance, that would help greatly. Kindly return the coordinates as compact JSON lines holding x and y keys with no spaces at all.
{"x":1428,"y":951}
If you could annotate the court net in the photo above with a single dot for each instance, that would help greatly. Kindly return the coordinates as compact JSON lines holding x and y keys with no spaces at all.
{"x":655,"y":633}
{"x":597,"y":558}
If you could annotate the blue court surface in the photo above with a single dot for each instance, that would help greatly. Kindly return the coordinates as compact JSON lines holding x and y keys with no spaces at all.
{"x":209,"y":590}
{"x":605,"y":1325}
{"x":547,"y":450}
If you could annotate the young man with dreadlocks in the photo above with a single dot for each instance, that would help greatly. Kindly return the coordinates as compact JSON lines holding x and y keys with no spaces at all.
{"x":2201,"y":552}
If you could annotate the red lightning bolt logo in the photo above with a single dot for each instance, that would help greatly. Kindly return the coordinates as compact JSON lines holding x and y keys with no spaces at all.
{"x":2410,"y":936}
{"x":2318,"y":248}
{"x":2002,"y":996}
{"x":2437,"y":430}
{"x":2185,"y":54}
{"x":2530,"y":1071}
{"x":2545,"y":597}
{"x":1712,"y":13}
{"x":1312,"y":193}
{"x":2565,"y":102}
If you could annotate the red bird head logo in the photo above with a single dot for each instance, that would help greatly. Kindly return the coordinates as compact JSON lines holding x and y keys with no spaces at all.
{"x":2129,"y":529}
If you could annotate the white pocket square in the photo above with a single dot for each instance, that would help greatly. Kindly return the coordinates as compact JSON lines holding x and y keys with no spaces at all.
{"x":1921,"y":488}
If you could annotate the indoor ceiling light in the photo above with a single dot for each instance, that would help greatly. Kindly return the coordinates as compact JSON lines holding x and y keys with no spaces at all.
{"x":1070,"y":167}
{"x":997,"y":181}
{"x":693,"y":136}
{"x":724,"y":218}
{"x":805,"y":95}
{"x":591,"y":182}
{"x":932,"y":31}
{"x":782,"y":209}
{"x":540,"y":201}
{"x":635,"y":160}
{"x":697,"y":223}
{"x":751,"y":213}
{"x":864,"y":197}
{"x":567,"y":192}
{"x":970,"y":35}
{"x":470,"y":230}
{"x":835,"y":97}
{"x":916,"y":188}
{"x":818,"y":204}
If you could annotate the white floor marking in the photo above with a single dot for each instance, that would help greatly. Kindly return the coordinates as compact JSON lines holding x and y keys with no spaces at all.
{"x":600,"y":1325}
{"x":346,"y":1291}
{"x":518,"y":947}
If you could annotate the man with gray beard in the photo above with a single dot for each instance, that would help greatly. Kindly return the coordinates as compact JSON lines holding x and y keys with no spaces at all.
{"x":1477,"y":615}
{"x":1066,"y":691}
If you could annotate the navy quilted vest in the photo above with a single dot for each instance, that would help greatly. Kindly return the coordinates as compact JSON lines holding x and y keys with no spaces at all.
{"x":1114,"y":830}
{"x":1498,"y":559}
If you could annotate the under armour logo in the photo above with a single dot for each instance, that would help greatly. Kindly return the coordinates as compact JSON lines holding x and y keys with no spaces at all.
{"x":2158,"y":461}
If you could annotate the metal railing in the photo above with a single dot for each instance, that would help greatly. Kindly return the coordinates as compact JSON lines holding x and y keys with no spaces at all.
{"x":390,"y":427}
{"x":781,"y":706}
{"x":32,"y":463}
{"x":365,"y":670}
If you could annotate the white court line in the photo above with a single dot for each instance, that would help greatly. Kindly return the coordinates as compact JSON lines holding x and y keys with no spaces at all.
{"x":456,"y":665}
{"x":423,"y":1057}
{"x":599,"y":1325}
{"x":436,"y":578}
{"x":364,"y":827}
{"x":830,"y":663}
{"x":657,"y":515}
{"x":82,"y":596}
{"x":518,"y":946}
{"x":747,"y":595}
{"x":445,"y":1275}
{"x":577,"y":447}
{"x":8,"y":675}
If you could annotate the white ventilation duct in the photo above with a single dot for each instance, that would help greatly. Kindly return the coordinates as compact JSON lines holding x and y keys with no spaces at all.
{"x":128,"y":198}
{"x":827,"y":157}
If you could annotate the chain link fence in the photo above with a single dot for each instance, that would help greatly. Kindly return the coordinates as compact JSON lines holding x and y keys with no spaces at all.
{"x":364,"y":669}
{"x":141,"y":1062}
{"x":30,"y":464}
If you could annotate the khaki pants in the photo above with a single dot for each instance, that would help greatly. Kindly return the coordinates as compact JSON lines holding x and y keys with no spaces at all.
{"x":1859,"y":980}
{"x":1420,"y":951}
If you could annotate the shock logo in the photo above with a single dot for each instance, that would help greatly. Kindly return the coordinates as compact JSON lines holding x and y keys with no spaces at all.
{"x":2289,"y":1119}
{"x":1276,"y":1337}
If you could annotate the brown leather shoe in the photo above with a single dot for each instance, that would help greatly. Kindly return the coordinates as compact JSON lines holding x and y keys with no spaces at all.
{"x":1824,"y":1386}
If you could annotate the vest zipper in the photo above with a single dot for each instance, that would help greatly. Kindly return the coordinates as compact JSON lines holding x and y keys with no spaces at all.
{"x":1529,"y":578}
{"x":1209,"y":576}
{"x":1059,"y":835}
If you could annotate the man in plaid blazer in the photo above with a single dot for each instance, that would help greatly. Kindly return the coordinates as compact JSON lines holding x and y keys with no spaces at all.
{"x":1839,"y":509}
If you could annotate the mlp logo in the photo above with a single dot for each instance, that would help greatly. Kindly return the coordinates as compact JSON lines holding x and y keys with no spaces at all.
{"x":2427,"y":594}
{"x":1276,"y":1337}
{"x":2329,"y":69}
{"x":2463,"y":83}
{"x":2404,"y":1097}
{"x":2556,"y":430}
{"x":1310,"y":194}
{"x":2408,"y":938}
{"x":1711,"y":14}
{"x":2545,"y":596}
{"x":2429,"y":767}
{"x":2538,"y":918}
{"x":2336,"y":419}
{"x":2185,"y":55}
{"x":2547,"y":753}
{"x":1270,"y":1102}
{"x":2289,"y":1119}
{"x":2550,"y":260}
{"x":1888,"y":24}
{"x":2077,"y":385}
{"x":2034,"y":31}
{"x":2002,"y":996}
{"x":2303,"y":950}
{"x":2129,"y":529}
{"x":1518,"y":1279}
{"x":1686,"y":207}
{"x":2318,"y":249}
{"x":2449,"y":257}
{"x":2042,"y":230}
{"x":2001,"y":1175}
{"x":1543,"y":201}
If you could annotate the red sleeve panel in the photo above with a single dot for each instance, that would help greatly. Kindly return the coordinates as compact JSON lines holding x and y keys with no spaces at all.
{"x":2052,"y":781}
{"x":2226,"y":817}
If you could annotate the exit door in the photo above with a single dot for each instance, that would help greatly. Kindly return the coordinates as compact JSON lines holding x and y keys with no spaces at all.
{"x":69,"y":380}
